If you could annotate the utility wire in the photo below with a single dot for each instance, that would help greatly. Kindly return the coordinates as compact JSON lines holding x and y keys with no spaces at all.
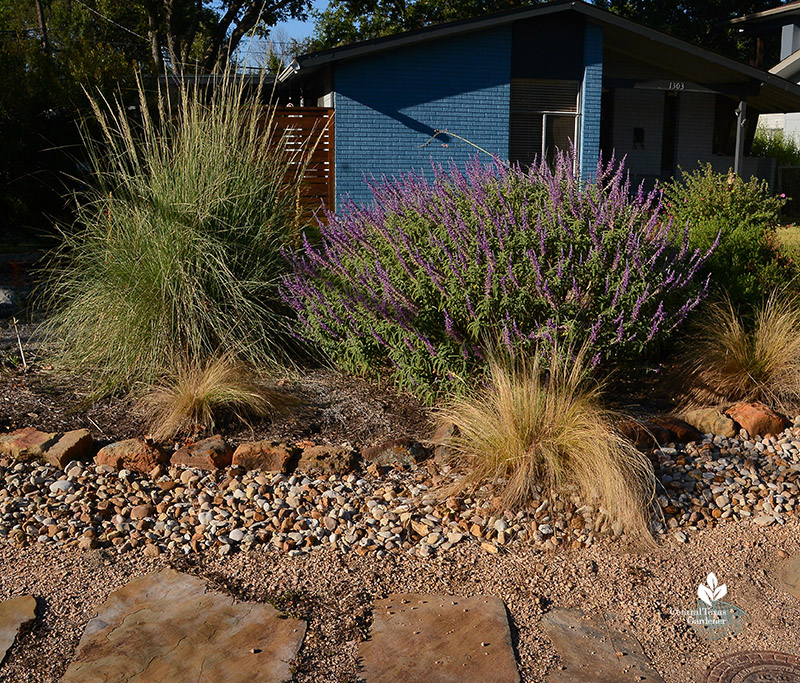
{"x":111,"y":21}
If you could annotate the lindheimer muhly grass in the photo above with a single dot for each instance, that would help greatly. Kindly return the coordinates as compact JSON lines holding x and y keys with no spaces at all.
{"x":539,"y":426}
{"x":414,"y":280}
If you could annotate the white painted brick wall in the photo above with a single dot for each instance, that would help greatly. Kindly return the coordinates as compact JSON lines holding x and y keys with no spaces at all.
{"x":643,"y":109}
{"x":695,"y":129}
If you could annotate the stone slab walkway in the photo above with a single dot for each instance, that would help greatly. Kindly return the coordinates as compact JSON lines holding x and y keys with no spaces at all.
{"x":438,"y":639}
{"x":595,"y":647}
{"x":165,"y":627}
{"x":13,"y":614}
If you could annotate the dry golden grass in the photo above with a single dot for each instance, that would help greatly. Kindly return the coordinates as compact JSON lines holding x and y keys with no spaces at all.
{"x":200,"y":394}
{"x":733,"y":359}
{"x":537,"y":428}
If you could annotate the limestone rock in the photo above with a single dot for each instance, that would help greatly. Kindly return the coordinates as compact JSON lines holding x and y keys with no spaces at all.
{"x":132,"y":454}
{"x":269,"y":456}
{"x":75,"y":445}
{"x":757,"y":418}
{"x":209,"y":454}
{"x":327,"y":460}
{"x":711,"y":421}
{"x":437,"y":638}
{"x":165,"y":627}
{"x":404,"y":452}
{"x":13,"y":614}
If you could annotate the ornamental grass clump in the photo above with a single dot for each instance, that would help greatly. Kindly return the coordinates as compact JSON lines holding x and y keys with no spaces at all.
{"x":755,"y":357}
{"x":418,"y":278}
{"x":174,"y":258}
{"x":195,"y":397}
{"x":540,"y":426}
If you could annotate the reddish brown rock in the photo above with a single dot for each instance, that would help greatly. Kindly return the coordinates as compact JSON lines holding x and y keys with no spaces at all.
{"x":75,"y":445}
{"x":27,"y":443}
{"x":404,"y":452}
{"x":683,"y":431}
{"x":327,"y":460}
{"x":646,"y":435}
{"x":209,"y":454}
{"x":269,"y":456}
{"x":142,"y":511}
{"x":132,"y":454}
{"x":758,"y":418}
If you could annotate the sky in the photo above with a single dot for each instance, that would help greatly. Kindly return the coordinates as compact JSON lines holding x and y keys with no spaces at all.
{"x":301,"y":29}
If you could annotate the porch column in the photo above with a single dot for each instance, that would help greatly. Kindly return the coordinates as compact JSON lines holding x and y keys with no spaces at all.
{"x":741,"y":120}
{"x":588,"y":143}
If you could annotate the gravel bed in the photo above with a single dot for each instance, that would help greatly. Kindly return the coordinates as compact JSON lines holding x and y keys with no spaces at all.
{"x":192,"y":511}
{"x":702,"y":484}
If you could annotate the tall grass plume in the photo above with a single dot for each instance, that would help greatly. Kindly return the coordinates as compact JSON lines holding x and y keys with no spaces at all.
{"x":175,"y":252}
{"x":197,"y":396}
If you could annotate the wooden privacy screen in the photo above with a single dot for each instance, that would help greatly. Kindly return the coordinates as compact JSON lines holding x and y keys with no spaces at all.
{"x":302,"y":128}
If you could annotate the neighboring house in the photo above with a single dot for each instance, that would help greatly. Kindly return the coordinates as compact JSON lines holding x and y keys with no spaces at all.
{"x":783,"y":21}
{"x":524,"y":82}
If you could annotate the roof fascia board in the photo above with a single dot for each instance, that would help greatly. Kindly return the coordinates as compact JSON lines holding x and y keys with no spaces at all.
{"x":423,"y":35}
{"x":610,"y":19}
{"x":593,"y":13}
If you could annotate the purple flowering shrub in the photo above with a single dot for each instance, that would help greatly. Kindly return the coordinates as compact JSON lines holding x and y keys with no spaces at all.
{"x":433,"y":272}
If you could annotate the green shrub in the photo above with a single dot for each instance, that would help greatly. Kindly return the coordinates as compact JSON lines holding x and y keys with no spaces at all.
{"x":744,"y":216}
{"x":176,"y":258}
{"x":775,"y":144}
{"x":420,"y":279}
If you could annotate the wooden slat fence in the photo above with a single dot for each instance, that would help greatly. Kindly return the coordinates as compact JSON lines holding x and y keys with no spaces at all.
{"x":304,"y":128}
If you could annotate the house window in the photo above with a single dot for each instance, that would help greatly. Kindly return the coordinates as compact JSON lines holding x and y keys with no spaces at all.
{"x":543,"y":118}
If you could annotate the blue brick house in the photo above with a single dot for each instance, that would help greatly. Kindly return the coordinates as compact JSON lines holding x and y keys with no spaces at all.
{"x":525,"y":82}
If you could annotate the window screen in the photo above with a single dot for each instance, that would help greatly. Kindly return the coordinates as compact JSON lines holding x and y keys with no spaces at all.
{"x":543,"y":117}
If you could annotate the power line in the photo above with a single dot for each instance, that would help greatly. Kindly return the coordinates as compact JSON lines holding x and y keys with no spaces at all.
{"x":111,"y":21}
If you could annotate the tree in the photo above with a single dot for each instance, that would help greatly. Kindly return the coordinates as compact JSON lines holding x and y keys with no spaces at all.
{"x":205,"y":33}
{"x":700,"y":22}
{"x":350,"y":21}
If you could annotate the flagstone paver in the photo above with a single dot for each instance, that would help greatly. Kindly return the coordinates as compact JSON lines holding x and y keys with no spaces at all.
{"x":789,"y":576}
{"x":166,"y":627}
{"x":13,"y":614}
{"x":594,"y":648}
{"x":438,"y":639}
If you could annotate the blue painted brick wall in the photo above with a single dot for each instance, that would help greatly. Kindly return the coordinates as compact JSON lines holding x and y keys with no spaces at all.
{"x":388,"y":105}
{"x":591,"y":97}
